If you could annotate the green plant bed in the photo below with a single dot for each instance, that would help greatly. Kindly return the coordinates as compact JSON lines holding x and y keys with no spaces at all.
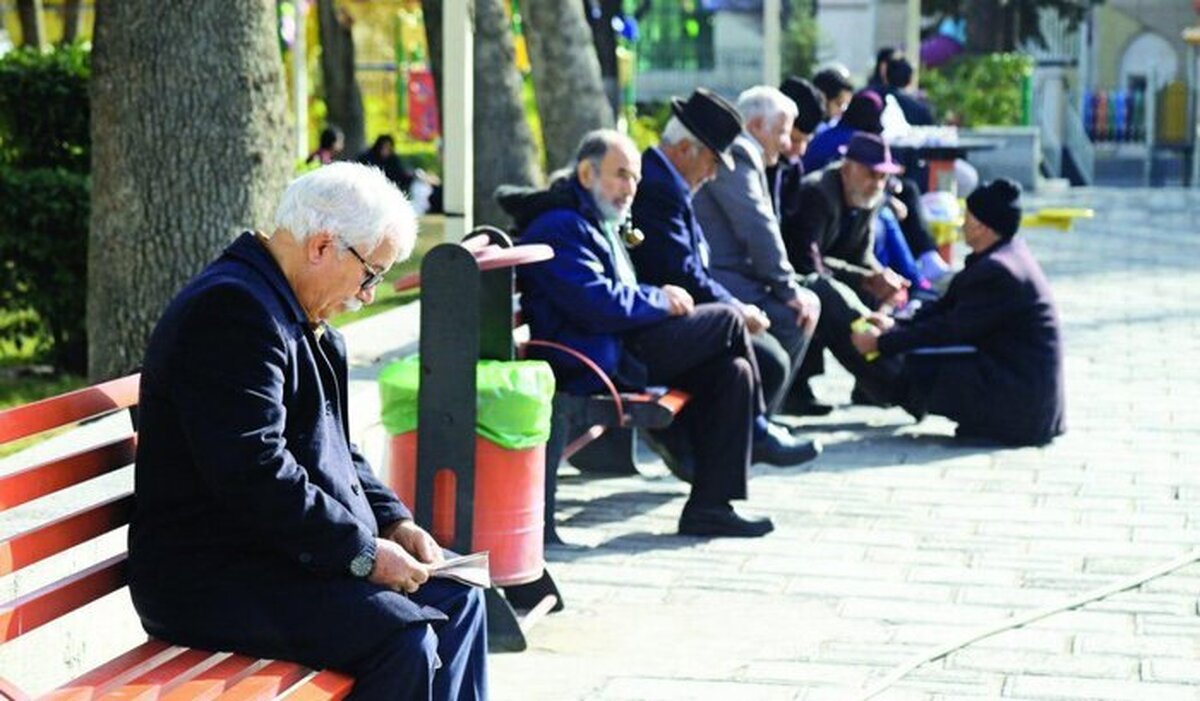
{"x":430,"y":234}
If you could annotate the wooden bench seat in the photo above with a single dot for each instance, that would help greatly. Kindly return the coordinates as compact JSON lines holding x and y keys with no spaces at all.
{"x":154,"y":670}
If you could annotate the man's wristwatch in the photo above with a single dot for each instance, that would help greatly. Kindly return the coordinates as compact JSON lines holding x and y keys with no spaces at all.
{"x":363,"y":562}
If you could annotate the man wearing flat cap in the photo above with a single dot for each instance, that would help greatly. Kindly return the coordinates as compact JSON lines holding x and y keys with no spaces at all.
{"x":696,"y":139}
{"x":1004,"y":379}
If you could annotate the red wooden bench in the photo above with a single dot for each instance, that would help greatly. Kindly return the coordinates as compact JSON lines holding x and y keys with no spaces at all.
{"x":153,"y":670}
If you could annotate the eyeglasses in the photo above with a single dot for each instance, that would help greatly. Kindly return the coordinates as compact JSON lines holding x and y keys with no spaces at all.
{"x":371,"y":276}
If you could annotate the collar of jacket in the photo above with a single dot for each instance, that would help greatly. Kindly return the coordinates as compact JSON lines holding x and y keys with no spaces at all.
{"x":249,"y":250}
{"x":654,"y":157}
{"x":752,"y":148}
{"x":586,"y":204}
{"x":973,"y":258}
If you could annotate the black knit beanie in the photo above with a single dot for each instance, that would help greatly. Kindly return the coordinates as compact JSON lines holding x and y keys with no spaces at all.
{"x":998,"y":205}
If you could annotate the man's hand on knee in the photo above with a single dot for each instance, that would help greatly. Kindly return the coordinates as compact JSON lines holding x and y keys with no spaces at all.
{"x":396,"y":569}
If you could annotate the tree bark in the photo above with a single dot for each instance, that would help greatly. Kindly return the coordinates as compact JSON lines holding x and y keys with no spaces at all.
{"x":987,"y":24}
{"x":72,"y":20}
{"x":189,"y":147}
{"x":504,"y":148}
{"x":343,"y":98}
{"x":33,"y":26}
{"x":570,"y":94}
{"x":505,"y":152}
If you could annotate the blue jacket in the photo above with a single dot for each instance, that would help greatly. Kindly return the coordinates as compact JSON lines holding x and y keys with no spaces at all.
{"x":245,"y":472}
{"x":576,"y":298}
{"x":675,"y":251}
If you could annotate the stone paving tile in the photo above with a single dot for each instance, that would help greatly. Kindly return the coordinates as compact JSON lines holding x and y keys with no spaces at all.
{"x":897,"y":540}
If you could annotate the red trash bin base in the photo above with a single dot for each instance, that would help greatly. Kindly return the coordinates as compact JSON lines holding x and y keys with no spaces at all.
{"x":509,"y":503}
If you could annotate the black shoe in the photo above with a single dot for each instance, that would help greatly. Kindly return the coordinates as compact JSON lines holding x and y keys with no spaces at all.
{"x":779,"y":448}
{"x":801,"y":401}
{"x":721,"y":520}
{"x":674,"y":449}
{"x":861,"y":397}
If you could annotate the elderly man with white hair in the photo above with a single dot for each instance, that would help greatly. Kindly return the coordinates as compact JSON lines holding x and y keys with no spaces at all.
{"x":736,"y":213}
{"x":259,"y":527}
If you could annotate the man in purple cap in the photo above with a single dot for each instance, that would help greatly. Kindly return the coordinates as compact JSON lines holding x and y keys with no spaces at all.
{"x":830,"y":242}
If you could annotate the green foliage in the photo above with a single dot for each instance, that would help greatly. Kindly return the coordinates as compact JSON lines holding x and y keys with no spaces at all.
{"x":43,"y":258}
{"x":647,"y":126}
{"x":44,"y":108}
{"x":979,"y":90}
{"x":800,"y":43}
{"x":45,"y":152}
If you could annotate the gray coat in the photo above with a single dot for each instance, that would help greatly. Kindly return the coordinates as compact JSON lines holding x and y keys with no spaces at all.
{"x":748,"y":256}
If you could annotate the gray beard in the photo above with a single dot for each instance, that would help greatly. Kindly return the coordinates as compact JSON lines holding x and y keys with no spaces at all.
{"x":608,"y":213}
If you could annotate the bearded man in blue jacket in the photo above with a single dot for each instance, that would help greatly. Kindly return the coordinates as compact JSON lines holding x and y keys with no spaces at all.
{"x":588,"y":297}
{"x":259,"y":527}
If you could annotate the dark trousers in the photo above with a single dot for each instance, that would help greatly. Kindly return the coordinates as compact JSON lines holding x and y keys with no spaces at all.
{"x":795,"y":341}
{"x":840,"y":307}
{"x":708,"y":354}
{"x":340,"y":623}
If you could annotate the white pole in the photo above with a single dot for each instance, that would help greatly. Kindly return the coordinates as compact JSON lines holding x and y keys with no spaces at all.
{"x":458,"y":39}
{"x":300,"y":79}
{"x":912,"y":39}
{"x":772,"y":42}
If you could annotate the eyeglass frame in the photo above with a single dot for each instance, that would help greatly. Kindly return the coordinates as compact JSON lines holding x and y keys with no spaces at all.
{"x":371,"y":277}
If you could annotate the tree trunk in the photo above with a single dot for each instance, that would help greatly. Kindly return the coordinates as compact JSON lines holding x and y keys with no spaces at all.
{"x":33,"y":26}
{"x":190,"y":146}
{"x":570,"y":95}
{"x":431,"y":14}
{"x":504,"y":148}
{"x":505,"y":152}
{"x":72,"y":20}
{"x":600,"y":15}
{"x":986,"y":26}
{"x":343,"y":98}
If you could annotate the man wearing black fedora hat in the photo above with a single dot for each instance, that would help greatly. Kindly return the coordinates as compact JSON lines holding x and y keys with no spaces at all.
{"x":1004,"y":380}
{"x":696,"y":139}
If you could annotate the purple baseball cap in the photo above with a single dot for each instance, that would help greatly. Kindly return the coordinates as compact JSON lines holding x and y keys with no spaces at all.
{"x":871,"y":151}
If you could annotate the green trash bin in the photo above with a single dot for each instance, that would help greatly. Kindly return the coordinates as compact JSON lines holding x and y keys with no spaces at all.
{"x":514,"y":404}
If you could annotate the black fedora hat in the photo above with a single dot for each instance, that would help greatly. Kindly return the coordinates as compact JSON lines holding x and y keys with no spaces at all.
{"x":810,"y":103}
{"x":711,"y":119}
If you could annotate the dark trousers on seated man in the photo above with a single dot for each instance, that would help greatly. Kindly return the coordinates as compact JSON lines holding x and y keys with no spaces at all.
{"x":707,"y":354}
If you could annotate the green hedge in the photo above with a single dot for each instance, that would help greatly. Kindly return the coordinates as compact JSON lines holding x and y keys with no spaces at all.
{"x":44,"y":201}
{"x":982,"y":90}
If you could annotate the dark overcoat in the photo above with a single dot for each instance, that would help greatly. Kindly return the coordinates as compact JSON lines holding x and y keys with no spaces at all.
{"x":1012,"y":390}
{"x":251,"y":499}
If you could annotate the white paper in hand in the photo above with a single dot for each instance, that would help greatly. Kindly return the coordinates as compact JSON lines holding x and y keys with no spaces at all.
{"x":472,"y":570}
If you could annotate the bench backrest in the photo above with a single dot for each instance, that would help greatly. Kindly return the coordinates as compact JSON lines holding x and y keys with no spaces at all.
{"x":36,"y":608}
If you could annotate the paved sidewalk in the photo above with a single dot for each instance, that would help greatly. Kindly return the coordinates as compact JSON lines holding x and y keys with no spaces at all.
{"x":898,"y":540}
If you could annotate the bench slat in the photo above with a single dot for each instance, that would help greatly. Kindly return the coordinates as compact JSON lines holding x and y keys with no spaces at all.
{"x":116,"y":671}
{"x":50,"y":477}
{"x":25,"y":613}
{"x":211,"y":683}
{"x":166,"y":676}
{"x":56,"y":536}
{"x":267,"y":683}
{"x":30,"y":419}
{"x":327,"y":685}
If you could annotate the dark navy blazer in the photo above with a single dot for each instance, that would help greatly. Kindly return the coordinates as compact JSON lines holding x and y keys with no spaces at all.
{"x":675,"y":251}
{"x":1000,"y":303}
{"x":245,"y":472}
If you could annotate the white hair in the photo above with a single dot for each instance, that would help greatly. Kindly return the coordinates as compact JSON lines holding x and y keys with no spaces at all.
{"x":676,"y":132}
{"x":355,"y":203}
{"x":766,"y":102}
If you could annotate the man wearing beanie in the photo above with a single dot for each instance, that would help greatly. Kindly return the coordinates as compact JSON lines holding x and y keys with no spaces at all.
{"x":988,"y":354}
